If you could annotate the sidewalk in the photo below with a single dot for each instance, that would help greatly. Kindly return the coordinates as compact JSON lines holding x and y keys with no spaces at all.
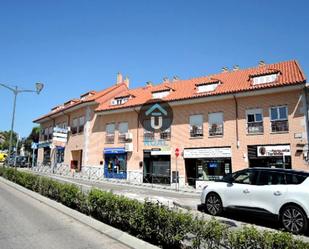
{"x":169,"y":197}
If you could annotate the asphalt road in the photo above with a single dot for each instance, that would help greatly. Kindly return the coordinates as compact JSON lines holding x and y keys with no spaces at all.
{"x":27,"y":223}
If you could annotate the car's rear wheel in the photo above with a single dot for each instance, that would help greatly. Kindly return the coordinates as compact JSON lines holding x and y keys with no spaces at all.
{"x":293,"y":219}
{"x":213,"y":204}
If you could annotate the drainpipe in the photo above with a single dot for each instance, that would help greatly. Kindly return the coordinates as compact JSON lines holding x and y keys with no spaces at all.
{"x":306,"y":120}
{"x":236,"y":119}
{"x":137,"y":138}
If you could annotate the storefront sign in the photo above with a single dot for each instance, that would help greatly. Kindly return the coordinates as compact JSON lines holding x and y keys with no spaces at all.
{"x":213,"y":165}
{"x":208,"y":153}
{"x":276,"y":150}
{"x":43,"y":145}
{"x":60,"y":135}
{"x":60,"y":130}
{"x":114,"y":151}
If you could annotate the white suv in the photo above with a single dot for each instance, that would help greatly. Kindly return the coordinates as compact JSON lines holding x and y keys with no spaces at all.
{"x":279,"y":192}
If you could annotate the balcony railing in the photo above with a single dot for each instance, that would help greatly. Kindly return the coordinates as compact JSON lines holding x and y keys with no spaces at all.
{"x":122,"y":138}
{"x":196,"y":131}
{"x":279,"y":126}
{"x":216,"y":130}
{"x":165,"y":135}
{"x":110,"y":138}
{"x":255,"y":127}
{"x":149,"y":136}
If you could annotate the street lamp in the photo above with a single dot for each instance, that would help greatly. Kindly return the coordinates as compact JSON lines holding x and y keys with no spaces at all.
{"x":38,"y":88}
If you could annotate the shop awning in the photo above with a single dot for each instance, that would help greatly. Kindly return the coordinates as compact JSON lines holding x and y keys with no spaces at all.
{"x":114,"y":151}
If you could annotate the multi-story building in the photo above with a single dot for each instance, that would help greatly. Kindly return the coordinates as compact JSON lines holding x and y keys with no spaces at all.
{"x":221,"y":123}
{"x":66,"y":130}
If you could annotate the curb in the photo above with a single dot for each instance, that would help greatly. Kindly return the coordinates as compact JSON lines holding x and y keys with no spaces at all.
{"x":107,"y":230}
{"x":163,"y":189}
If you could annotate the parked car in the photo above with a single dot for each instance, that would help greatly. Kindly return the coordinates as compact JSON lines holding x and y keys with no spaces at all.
{"x":281,"y":193}
{"x":22,"y":161}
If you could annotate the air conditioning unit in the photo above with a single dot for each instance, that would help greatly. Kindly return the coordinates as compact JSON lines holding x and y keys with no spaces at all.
{"x":129,"y":136}
{"x":128,"y":147}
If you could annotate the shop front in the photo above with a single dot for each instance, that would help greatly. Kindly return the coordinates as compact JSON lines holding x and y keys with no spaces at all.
{"x":46,"y":147}
{"x":60,"y":154}
{"x":206,"y":164}
{"x":272,"y":156}
{"x":115,"y":165}
{"x":157,"y":166}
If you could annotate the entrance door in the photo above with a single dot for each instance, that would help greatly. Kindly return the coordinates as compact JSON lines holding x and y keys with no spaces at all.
{"x":157,"y":168}
{"x":77,"y":157}
{"x":115,"y":166}
{"x":190,"y":165}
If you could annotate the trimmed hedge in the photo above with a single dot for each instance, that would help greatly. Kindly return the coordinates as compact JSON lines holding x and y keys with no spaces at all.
{"x":153,"y":222}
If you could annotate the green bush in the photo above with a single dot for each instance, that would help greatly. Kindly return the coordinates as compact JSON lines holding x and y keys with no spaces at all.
{"x":153,"y":222}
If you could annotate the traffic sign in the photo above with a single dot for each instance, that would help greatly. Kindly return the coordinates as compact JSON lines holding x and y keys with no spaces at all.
{"x":177,"y":153}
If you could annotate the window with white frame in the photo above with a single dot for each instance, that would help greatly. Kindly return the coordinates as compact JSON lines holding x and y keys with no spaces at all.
{"x":196,"y":126}
{"x":160,"y":95}
{"x":264,"y":79}
{"x":207,"y":88}
{"x":254,"y":121}
{"x":123,"y":129}
{"x":279,"y":119}
{"x":215,"y":122}
{"x":74,"y":127}
{"x":81,"y":124}
{"x":120,"y":101}
{"x":110,"y":133}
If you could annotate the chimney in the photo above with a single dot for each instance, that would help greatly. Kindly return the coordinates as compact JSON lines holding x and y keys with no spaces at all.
{"x":262,"y":63}
{"x":165,"y":80}
{"x":175,"y":78}
{"x":225,"y":69}
{"x":148,"y":83}
{"x":235,"y":67}
{"x":119,"y":78}
{"x":127,"y":81}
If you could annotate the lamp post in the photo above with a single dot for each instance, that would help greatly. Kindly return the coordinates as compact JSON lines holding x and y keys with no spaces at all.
{"x":16,"y":91}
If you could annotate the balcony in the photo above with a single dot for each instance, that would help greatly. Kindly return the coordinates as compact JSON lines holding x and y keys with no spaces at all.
{"x":216,"y":130}
{"x":165,"y":135}
{"x":122,"y":138}
{"x":149,"y":136}
{"x":279,"y":126}
{"x":196,"y":131}
{"x":110,"y":138}
{"x":255,"y":127}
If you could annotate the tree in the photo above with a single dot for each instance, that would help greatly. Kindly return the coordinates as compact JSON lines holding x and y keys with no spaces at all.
{"x":6,"y":140}
{"x":32,"y":138}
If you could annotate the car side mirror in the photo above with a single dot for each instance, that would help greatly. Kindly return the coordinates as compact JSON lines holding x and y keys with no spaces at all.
{"x":229,"y":179}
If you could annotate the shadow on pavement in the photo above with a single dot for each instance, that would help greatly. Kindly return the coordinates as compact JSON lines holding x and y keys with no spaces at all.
{"x":246,"y":217}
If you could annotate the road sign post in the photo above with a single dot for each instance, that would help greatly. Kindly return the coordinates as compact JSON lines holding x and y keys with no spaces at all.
{"x":177,"y":175}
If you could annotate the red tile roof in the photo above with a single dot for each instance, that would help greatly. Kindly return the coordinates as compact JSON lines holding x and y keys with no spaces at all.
{"x":93,"y":97}
{"x":231,"y":82}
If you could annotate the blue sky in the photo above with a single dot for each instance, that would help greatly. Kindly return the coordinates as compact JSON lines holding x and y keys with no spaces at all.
{"x":77,"y":46}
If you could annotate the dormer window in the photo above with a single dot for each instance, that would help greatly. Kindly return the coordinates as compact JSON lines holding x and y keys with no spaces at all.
{"x":160,"y":95}
{"x":87,"y":94}
{"x":204,"y":88}
{"x":120,"y":101}
{"x":264,"y":79}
